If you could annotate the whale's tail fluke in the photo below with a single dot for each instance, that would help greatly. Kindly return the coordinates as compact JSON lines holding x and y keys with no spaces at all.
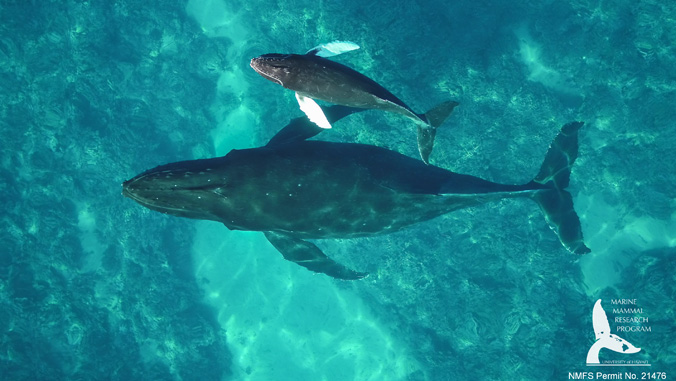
{"x":557,"y":203}
{"x":435,"y":118}
{"x":439,"y":113}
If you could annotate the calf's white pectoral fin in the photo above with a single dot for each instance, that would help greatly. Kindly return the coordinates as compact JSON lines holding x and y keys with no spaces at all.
{"x":333,"y":48}
{"x":313,"y":111}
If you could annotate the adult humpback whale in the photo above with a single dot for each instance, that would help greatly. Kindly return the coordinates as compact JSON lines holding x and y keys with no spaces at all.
{"x":294,"y":189}
{"x":312,"y":76}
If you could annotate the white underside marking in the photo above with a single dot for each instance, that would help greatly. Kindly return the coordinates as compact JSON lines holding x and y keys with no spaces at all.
{"x":313,"y":111}
{"x":334,"y":48}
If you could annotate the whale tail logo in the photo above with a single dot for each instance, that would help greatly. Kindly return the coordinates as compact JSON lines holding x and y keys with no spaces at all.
{"x":605,"y":339}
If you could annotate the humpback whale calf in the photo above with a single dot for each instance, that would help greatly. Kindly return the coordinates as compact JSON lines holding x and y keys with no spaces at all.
{"x":312,"y":76}
{"x":294,"y":189}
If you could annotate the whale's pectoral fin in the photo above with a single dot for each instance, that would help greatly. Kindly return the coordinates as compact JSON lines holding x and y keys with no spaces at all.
{"x":333,"y":48}
{"x":435,"y":118}
{"x":302,"y":128}
{"x":309,"y":256}
{"x":313,"y":111}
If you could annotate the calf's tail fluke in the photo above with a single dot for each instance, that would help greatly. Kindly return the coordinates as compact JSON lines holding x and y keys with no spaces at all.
{"x":439,"y":113}
{"x":435,"y":118}
{"x":557,"y":203}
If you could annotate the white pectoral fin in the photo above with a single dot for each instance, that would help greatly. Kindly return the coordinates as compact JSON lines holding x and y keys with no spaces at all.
{"x":313,"y":111}
{"x":333,"y":48}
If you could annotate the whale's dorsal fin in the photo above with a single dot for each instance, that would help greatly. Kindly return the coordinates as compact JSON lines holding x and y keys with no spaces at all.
{"x":332,"y":48}
{"x":309,"y":256}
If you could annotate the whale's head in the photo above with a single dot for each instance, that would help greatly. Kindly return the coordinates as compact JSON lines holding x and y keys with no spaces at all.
{"x":279,"y":68}
{"x":192,"y":189}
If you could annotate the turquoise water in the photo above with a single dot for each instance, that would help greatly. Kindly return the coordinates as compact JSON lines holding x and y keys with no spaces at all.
{"x":94,"y":286}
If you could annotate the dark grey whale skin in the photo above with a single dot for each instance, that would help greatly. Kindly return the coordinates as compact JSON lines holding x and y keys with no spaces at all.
{"x":294,"y":189}
{"x":320,"y":78}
